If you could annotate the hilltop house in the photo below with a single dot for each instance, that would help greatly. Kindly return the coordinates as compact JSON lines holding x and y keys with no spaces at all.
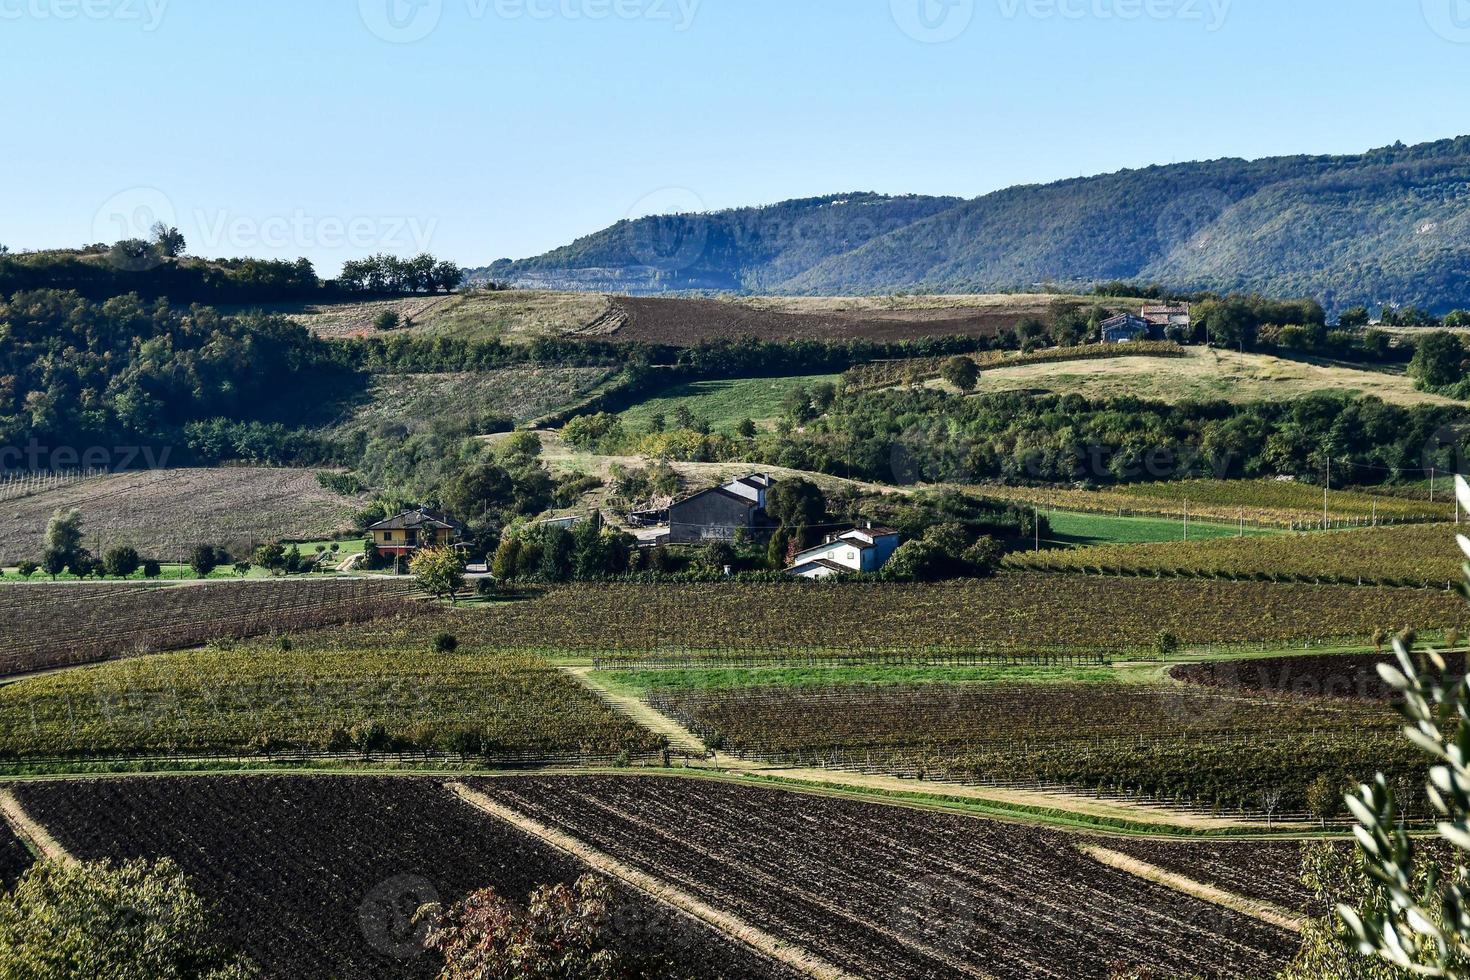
{"x":717,"y":513}
{"x":1161,"y":318}
{"x":1125,"y":328}
{"x":860,"y":550}
{"x":404,"y":535}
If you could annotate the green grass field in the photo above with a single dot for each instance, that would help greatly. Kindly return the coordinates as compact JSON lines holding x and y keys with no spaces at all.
{"x":723,"y":404}
{"x":1087,"y":530}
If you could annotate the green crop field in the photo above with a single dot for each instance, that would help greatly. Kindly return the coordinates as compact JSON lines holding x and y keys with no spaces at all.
{"x":644,"y":681}
{"x":1271,"y":503}
{"x":1420,"y":554}
{"x":379,"y":685}
{"x":723,"y":404}
{"x":1081,"y":529}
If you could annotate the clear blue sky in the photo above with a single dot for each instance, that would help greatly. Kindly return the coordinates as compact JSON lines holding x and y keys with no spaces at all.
{"x":293,"y":127}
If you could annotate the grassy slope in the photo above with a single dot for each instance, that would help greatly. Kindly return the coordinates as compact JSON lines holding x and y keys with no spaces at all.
{"x":723,"y":403}
{"x":409,"y":402}
{"x":164,"y":513}
{"x":512,"y":315}
{"x":1208,"y":374}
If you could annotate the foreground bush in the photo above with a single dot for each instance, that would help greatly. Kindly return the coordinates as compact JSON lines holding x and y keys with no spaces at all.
{"x":134,"y":921}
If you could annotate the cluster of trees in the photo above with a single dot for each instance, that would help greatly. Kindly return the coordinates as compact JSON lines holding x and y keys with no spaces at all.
{"x":910,"y":436}
{"x":390,"y":275}
{"x":159,"y":268}
{"x":125,"y":372}
{"x":552,"y":553}
{"x":1441,"y":363}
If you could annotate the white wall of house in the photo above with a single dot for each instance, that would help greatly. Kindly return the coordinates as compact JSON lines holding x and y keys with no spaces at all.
{"x":855,"y":550}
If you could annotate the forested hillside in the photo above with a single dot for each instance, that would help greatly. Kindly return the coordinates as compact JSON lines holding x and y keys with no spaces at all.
{"x":745,"y":250}
{"x":1380,"y":228}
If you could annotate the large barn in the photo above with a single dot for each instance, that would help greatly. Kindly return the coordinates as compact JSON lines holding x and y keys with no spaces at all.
{"x":718,"y":513}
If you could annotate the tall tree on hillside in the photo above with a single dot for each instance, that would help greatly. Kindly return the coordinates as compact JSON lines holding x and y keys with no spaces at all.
{"x":796,"y":502}
{"x":1229,"y":323}
{"x":63,"y":542}
{"x":167,"y":240}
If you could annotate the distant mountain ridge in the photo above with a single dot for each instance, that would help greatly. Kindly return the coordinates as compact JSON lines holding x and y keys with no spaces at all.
{"x":1390,"y":226}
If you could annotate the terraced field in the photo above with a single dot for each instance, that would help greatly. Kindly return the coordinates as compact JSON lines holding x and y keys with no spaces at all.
{"x":165,"y":513}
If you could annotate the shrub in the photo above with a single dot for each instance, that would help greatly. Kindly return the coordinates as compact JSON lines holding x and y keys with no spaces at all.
{"x":962,"y":372}
{"x":129,"y":921}
{"x":445,"y":643}
{"x":203,"y":560}
{"x":121,"y":562}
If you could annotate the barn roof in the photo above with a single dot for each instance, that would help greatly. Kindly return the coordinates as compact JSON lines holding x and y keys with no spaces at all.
{"x":413,"y":520}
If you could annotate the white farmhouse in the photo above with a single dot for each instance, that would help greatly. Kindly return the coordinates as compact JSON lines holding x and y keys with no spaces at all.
{"x":861,"y":550}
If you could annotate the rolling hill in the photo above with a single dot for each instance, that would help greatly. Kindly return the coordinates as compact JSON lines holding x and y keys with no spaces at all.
{"x":1383,"y":227}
